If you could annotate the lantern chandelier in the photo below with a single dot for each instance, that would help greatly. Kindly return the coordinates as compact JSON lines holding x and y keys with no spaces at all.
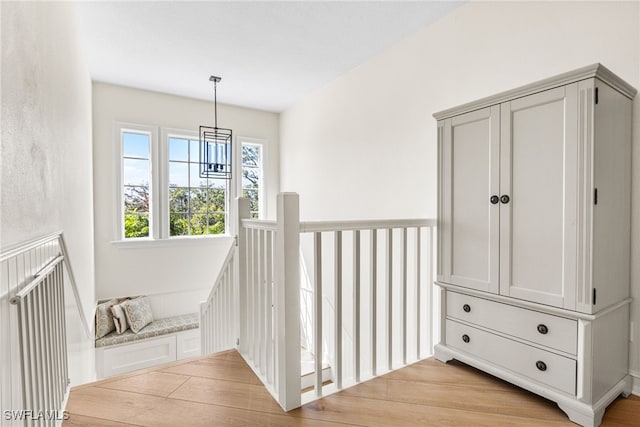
{"x":215,"y":145}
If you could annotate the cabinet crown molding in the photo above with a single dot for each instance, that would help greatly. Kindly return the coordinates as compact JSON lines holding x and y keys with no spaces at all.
{"x":596,"y":70}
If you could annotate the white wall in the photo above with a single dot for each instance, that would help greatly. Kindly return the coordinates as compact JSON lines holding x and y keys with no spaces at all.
{"x":169,"y":266}
{"x":46,"y":179}
{"x":368,"y":137}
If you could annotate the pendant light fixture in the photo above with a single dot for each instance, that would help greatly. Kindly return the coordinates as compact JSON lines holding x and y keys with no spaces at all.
{"x":215,"y":145}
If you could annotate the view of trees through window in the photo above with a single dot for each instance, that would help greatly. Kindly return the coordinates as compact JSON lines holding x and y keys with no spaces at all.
{"x":251,"y":171}
{"x":136,"y":169}
{"x":196,"y":206}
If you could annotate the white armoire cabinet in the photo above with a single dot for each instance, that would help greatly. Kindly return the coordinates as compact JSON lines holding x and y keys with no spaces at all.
{"x":534,"y":238}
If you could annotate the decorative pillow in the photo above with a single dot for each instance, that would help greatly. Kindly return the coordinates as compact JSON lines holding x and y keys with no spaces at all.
{"x":104,"y":319}
{"x":119,"y":317}
{"x":138,"y":313}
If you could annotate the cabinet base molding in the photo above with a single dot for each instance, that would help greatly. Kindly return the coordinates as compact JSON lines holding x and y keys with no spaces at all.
{"x":579,"y":412}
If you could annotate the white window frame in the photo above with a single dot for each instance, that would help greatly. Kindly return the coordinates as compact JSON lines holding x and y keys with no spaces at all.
{"x":119,"y":128}
{"x":262,"y":189}
{"x":159,"y":185}
{"x":164,"y":181}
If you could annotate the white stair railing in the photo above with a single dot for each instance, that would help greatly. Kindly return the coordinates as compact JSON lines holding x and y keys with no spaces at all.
{"x":371,"y":298}
{"x":34,"y":379}
{"x":218,"y":314}
{"x":374,"y":279}
{"x":269,"y":298}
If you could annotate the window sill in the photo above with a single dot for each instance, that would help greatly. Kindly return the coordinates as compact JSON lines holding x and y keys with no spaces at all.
{"x":144,"y":242}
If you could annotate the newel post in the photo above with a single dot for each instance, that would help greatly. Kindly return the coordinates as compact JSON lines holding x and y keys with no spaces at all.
{"x":288,"y":300}
{"x":243,"y":212}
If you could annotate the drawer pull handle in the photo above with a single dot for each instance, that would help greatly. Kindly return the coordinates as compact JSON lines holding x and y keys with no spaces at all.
{"x":466,"y":308}
{"x":543,"y":329}
{"x":466,"y":338}
{"x":541,"y":365}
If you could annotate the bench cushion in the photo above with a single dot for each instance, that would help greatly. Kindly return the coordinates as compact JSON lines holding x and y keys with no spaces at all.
{"x":156,"y":328}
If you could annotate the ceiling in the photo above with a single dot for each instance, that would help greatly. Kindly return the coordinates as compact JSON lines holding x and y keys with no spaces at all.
{"x":269,"y":54}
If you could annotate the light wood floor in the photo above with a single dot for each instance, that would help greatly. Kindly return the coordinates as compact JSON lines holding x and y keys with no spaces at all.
{"x":221,"y":390}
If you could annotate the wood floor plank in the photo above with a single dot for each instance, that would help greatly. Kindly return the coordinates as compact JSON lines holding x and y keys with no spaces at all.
{"x":114,"y":405}
{"x":217,"y":369}
{"x":623,"y":413}
{"x":229,"y":355}
{"x":434,"y":371}
{"x":374,"y":388}
{"x":182,"y":413}
{"x":515,"y":402}
{"x":154,"y":383}
{"x":228,"y":393}
{"x":373,"y":412}
{"x":84,"y":421}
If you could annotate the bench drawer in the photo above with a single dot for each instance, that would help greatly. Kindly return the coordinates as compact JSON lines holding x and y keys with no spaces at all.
{"x":138,"y":355}
{"x":188,"y":344}
{"x":539,"y":365}
{"x":551,"y":331}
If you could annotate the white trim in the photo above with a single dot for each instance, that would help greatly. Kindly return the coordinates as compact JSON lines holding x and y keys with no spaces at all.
{"x":152,"y":131}
{"x":262,"y":189}
{"x":635,"y":376}
{"x":168,"y":242}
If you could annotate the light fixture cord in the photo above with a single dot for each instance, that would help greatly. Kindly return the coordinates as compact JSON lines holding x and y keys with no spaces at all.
{"x":215,"y":103}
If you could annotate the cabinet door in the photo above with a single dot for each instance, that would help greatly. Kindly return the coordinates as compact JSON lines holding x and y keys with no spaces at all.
{"x":469,"y":176}
{"x":538,"y":173}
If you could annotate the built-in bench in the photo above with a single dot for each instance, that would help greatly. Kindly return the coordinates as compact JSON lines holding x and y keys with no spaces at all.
{"x":162,"y":341}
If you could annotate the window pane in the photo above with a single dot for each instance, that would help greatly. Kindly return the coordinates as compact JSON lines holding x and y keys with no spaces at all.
{"x":194,"y":146}
{"x":198,"y":200}
{"x":178,"y":174}
{"x":199,"y":224}
{"x":136,"y":225}
{"x":178,"y":149}
{"x":196,"y":205}
{"x":136,"y":172}
{"x":216,"y":199}
{"x":178,"y":224}
{"x":194,"y":174}
{"x":136,"y":199}
{"x":250,"y":177}
{"x":178,"y":199}
{"x":216,"y":223}
{"x":250,"y":155}
{"x":135,"y":145}
{"x":252,"y":195}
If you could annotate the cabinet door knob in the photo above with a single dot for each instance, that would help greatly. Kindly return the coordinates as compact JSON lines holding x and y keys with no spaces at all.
{"x":494,"y":200}
{"x":541,"y":365}
{"x":466,"y":338}
{"x":466,"y":308}
{"x":504,"y":199}
{"x":543,"y":329}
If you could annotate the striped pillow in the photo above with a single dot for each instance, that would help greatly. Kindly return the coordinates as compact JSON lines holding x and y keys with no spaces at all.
{"x":119,"y":318}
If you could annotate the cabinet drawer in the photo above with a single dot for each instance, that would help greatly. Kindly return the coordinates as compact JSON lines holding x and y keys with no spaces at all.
{"x":138,"y":355}
{"x":540,"y":328}
{"x":548,"y":368}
